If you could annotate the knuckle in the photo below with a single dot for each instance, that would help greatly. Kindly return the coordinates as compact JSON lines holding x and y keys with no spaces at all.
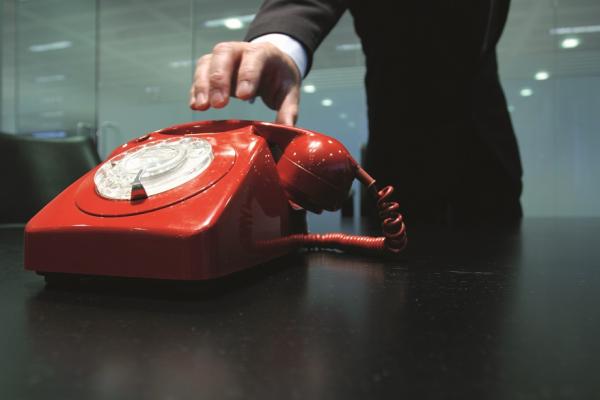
{"x":201,"y":84}
{"x":262,"y":47}
{"x":248,"y":72}
{"x":270,"y":50}
{"x":200,"y":72}
{"x":223,"y":47}
{"x":254,"y":55}
{"x":217,"y":77}
{"x":203,"y":60}
{"x":253,"y":48}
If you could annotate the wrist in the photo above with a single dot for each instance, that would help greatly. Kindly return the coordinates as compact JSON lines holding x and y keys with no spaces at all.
{"x":288,"y":46}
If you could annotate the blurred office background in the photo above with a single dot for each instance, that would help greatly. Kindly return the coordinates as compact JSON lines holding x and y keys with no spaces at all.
{"x":123,"y":67}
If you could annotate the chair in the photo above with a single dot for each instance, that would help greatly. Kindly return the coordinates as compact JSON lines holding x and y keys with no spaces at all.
{"x":34,"y":171}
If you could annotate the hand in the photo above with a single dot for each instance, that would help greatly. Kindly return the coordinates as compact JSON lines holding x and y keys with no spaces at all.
{"x":246,"y":70}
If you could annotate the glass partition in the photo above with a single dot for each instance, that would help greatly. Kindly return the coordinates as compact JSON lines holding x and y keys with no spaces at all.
{"x":55,"y":67}
{"x":7,"y":66}
{"x":144,"y":67}
{"x":124,"y":67}
{"x":549,"y":60}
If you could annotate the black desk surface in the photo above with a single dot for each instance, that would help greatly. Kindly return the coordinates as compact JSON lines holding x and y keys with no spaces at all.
{"x":479,"y":314}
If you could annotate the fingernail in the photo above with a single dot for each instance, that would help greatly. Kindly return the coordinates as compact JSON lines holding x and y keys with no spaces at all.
{"x":244,"y":88}
{"x":216,"y":97}
{"x":200,"y":98}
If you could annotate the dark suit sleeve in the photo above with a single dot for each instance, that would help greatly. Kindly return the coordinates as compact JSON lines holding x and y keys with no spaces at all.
{"x":307,"y":21}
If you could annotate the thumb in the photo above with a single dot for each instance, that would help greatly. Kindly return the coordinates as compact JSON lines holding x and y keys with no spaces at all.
{"x":288,"y":111}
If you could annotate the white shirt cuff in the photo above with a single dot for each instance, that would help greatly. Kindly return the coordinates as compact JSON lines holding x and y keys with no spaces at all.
{"x":289,"y":46}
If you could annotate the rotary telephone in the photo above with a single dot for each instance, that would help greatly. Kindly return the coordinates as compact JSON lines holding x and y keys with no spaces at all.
{"x":202,"y":200}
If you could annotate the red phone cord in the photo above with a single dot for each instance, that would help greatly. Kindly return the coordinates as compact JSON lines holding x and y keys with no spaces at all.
{"x":394,"y":237}
{"x":393,"y":241}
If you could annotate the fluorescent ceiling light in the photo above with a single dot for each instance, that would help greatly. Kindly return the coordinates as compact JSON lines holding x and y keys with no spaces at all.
{"x":233,"y":22}
{"x":348,"y":47}
{"x":343,"y":115}
{"x":351,"y":124}
{"x":180,"y":63}
{"x":49,"y":134}
{"x":571,"y":30}
{"x":152,"y":89}
{"x":541,"y":75}
{"x":50,"y":78}
{"x":53,"y":99}
{"x":511,"y":108}
{"x":326,"y":102}
{"x":526,"y":92}
{"x":569,"y":43}
{"x":38,"y":48}
{"x":309,"y":88}
{"x":53,"y":114}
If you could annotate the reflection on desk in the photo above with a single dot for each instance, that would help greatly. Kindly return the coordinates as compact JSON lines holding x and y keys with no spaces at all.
{"x":463,"y":314}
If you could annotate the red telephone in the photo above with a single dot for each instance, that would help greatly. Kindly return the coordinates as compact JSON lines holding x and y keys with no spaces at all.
{"x":202,"y":200}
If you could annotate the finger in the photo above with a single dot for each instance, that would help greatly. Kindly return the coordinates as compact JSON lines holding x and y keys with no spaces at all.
{"x":225,"y":60}
{"x":288,"y":111}
{"x":250,"y":70}
{"x":199,"y":94}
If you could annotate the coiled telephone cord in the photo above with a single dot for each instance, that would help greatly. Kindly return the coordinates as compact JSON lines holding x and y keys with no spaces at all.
{"x":393,"y":241}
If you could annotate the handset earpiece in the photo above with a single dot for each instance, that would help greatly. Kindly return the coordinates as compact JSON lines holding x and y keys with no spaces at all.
{"x":316,"y":172}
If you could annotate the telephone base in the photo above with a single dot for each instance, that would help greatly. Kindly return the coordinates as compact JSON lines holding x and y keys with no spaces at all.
{"x":227,"y":219}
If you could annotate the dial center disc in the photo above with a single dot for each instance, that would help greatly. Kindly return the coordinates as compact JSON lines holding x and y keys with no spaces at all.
{"x":164,"y":165}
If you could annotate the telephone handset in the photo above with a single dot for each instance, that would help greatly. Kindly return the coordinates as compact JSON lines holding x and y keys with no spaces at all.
{"x":202,"y":200}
